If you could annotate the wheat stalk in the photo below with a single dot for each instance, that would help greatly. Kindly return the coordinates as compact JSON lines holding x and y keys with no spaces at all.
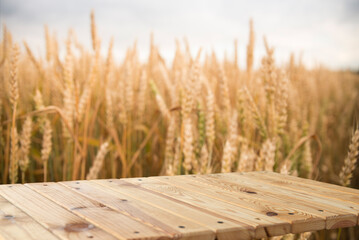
{"x":14,"y":156}
{"x":94,"y":31}
{"x":160,"y":102}
{"x":250,"y":49}
{"x":25,"y":141}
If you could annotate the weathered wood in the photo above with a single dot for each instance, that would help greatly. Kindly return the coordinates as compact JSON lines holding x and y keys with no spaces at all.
{"x":347,"y":206}
{"x":265,"y":226}
{"x":348,"y":198}
{"x":15,"y":224}
{"x":175,"y":225}
{"x":120,"y":225}
{"x":344,"y":216}
{"x":334,"y":217}
{"x":194,"y":207}
{"x":300,"y":221}
{"x":311,"y":182}
{"x":225,"y":228}
{"x":55,"y":218}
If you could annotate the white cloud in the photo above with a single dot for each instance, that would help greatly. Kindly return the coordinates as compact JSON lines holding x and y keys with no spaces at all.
{"x":325,"y":31}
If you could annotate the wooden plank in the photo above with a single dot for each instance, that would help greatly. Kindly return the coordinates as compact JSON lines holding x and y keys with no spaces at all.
{"x":225,"y":228}
{"x":56,"y":219}
{"x":120,"y":225}
{"x":251,"y":184}
{"x":15,"y":224}
{"x":300,"y":221}
{"x":265,"y":226}
{"x":311,"y":182}
{"x":256,"y":191}
{"x":348,"y":198}
{"x":177,"y":226}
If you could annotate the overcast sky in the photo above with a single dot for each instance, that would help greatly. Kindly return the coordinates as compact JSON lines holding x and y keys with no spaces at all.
{"x":321,"y":31}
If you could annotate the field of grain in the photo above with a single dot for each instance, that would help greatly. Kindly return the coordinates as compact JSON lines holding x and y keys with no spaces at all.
{"x":81,"y":115}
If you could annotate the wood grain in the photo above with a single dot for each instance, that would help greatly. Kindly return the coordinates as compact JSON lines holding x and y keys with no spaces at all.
{"x":265,"y":226}
{"x":349,"y":198}
{"x":120,"y":225}
{"x":15,"y":224}
{"x":311,"y":182}
{"x":301,"y":221}
{"x":343,"y":216}
{"x":225,"y":228}
{"x":222,"y":206}
{"x":175,"y":225}
{"x":55,"y":218}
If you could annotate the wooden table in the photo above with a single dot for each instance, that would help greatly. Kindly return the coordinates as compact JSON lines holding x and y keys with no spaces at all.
{"x":216,"y":206}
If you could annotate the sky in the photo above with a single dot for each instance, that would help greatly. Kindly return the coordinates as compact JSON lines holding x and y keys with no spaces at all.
{"x":324,"y":32}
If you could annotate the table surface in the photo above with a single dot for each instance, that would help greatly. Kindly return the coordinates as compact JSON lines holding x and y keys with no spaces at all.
{"x":215,"y":206}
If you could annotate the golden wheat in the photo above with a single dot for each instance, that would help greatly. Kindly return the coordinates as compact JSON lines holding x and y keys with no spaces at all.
{"x":163,"y":118}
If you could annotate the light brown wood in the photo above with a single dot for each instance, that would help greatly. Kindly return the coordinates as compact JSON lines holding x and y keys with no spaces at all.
{"x":120,"y":225}
{"x":15,"y":224}
{"x":311,"y":182}
{"x":349,"y":198}
{"x":221,"y":206}
{"x":259,"y":192}
{"x":175,"y":225}
{"x":344,"y":216}
{"x":265,"y":226}
{"x":315,"y":194}
{"x":224,"y":227}
{"x":55,"y":218}
{"x":300,"y":221}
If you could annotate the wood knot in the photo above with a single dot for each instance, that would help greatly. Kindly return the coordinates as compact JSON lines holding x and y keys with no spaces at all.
{"x":8,"y":217}
{"x":77,"y":208}
{"x":101,"y":205}
{"x":78,"y":227}
{"x":271,"y":214}
{"x":247,"y":191}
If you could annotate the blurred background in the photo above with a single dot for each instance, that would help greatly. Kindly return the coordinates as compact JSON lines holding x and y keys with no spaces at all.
{"x":321,"y":32}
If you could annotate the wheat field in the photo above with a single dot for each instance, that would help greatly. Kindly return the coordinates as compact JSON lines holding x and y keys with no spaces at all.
{"x":81,"y":115}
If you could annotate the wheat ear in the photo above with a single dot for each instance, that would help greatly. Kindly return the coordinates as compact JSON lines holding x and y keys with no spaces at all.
{"x":160,"y":102}
{"x":169,"y":149}
{"x":246,"y":159}
{"x":210,"y":123}
{"x":14,"y":96}
{"x":267,"y":156}
{"x":350,"y":161}
{"x":14,"y":75}
{"x":98,"y":162}
{"x":230,"y":147}
{"x":46,"y":146}
{"x":188,"y":145}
